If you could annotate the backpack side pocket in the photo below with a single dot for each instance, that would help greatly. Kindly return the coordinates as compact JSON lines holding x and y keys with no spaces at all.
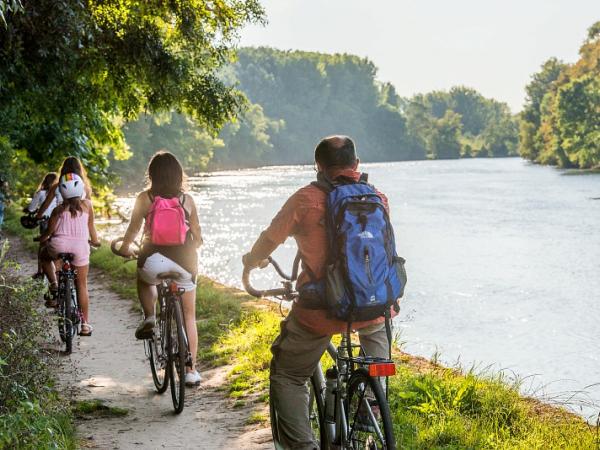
{"x":400,"y":272}
{"x":334,"y":286}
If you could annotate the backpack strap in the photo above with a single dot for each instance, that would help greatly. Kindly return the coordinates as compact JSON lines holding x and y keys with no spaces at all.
{"x":185,"y":211}
{"x":324,"y":183}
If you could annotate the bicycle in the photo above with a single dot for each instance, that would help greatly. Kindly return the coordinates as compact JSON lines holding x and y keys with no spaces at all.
{"x":348,"y":407}
{"x":167,"y":349}
{"x":68,"y":310}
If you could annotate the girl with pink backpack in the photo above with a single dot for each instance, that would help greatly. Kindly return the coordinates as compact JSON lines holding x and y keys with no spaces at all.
{"x":170,"y":241}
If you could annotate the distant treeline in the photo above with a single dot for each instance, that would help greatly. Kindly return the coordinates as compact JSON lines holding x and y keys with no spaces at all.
{"x":560,"y":124}
{"x":296,"y":98}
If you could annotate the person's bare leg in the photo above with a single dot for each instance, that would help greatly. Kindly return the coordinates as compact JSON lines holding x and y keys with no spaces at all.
{"x":147,"y":295}
{"x":50,"y":270}
{"x":189,"y":313}
{"x":82,"y":291}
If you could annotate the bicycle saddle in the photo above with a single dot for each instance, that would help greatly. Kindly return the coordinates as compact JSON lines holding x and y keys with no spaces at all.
{"x":168,"y":276}
{"x":66,"y":256}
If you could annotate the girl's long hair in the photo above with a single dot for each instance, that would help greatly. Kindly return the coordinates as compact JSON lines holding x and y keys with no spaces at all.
{"x":48,"y":181}
{"x":73,"y":205}
{"x":72,"y":164}
{"x":165,"y":175}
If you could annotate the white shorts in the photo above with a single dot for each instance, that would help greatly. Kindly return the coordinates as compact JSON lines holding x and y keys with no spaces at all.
{"x":156,"y":264}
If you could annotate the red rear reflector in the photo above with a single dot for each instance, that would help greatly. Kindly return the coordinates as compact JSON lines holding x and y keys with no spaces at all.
{"x":66,"y":266}
{"x":174,"y":288}
{"x":382,"y":369}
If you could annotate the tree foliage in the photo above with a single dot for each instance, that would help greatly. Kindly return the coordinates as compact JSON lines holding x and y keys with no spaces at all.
{"x":73,"y":70}
{"x":296,"y":98}
{"x":560,"y":124}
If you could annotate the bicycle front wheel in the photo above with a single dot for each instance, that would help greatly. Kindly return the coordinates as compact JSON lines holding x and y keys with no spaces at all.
{"x":177,"y":355}
{"x":158,"y":362}
{"x":316,"y":416}
{"x":369,"y":418}
{"x":316,"y":412}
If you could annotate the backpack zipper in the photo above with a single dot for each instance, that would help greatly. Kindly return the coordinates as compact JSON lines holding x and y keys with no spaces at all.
{"x":368,"y":265}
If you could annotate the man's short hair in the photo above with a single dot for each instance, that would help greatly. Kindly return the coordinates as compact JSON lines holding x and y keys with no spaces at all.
{"x":336,"y":151}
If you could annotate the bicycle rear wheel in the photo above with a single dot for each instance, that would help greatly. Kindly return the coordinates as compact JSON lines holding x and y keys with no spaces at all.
{"x":66,"y":327}
{"x":177,"y":355}
{"x":369,"y":418}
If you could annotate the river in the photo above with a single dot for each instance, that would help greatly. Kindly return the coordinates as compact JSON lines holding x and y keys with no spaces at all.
{"x":503,"y":260}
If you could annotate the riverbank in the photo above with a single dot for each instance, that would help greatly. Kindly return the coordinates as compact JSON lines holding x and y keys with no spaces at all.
{"x":433,"y":406}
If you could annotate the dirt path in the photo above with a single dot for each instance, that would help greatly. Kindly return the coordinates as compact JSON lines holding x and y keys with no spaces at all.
{"x":111,"y":366}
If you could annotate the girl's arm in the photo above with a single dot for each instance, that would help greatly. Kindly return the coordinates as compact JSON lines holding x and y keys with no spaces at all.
{"x":35,"y":202}
{"x":137,"y":220}
{"x":195,"y":223}
{"x":91,"y":227}
{"x":51,"y":224}
{"x":49,"y":198}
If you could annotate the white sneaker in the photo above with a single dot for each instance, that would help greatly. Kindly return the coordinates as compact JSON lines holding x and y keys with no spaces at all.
{"x":192,"y":378}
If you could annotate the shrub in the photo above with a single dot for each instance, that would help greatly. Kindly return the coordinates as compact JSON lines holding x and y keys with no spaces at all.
{"x":32,"y":414}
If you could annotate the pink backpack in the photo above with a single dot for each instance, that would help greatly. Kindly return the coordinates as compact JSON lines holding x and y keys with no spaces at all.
{"x":166,"y":222}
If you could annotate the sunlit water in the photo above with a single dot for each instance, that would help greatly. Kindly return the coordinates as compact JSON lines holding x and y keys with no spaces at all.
{"x":503,"y":259}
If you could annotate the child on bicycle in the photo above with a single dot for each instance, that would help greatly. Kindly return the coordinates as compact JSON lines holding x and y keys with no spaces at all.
{"x":37,"y":201}
{"x":70,"y":165}
{"x":167,"y":186}
{"x":70,"y":230}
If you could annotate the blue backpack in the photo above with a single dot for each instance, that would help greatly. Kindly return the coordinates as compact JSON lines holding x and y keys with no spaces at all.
{"x":364,"y":275}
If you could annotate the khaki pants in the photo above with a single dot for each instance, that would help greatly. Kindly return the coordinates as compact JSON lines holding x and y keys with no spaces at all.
{"x":296,"y":354}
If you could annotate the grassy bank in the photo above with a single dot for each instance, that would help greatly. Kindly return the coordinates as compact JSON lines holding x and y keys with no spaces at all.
{"x":434,"y":407}
{"x":33,"y":414}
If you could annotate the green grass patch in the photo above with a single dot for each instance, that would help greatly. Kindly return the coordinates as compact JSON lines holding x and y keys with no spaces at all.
{"x":257,"y":418}
{"x":97,"y":408}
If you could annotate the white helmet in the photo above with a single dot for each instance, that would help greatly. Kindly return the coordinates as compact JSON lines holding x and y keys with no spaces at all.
{"x":71,"y":185}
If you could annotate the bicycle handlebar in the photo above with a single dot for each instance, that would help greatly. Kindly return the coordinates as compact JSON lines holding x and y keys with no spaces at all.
{"x":264,"y":292}
{"x":113,"y":248}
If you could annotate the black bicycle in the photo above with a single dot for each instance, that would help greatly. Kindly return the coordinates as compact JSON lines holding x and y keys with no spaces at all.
{"x":167,"y":349}
{"x":68,"y":310}
{"x":67,"y":307}
{"x":348,"y":407}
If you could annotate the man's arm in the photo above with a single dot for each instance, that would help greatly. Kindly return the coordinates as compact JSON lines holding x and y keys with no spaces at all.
{"x":282,"y":226}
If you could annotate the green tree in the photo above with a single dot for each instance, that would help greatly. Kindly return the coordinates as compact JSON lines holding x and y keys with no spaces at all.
{"x":541,"y":84}
{"x":444,"y":141}
{"x":72,"y":70}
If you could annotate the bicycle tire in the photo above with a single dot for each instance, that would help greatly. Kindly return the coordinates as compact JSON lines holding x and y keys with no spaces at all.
{"x":364,"y":432}
{"x":66,"y":327}
{"x":157,"y":355}
{"x":177,"y":355}
{"x":315,"y":401}
{"x":316,"y":406}
{"x":158,"y":364}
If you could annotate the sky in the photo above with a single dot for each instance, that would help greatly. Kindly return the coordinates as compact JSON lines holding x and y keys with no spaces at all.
{"x":493,"y":46}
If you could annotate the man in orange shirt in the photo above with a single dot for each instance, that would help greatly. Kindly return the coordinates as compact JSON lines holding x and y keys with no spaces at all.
{"x":308,"y":328}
